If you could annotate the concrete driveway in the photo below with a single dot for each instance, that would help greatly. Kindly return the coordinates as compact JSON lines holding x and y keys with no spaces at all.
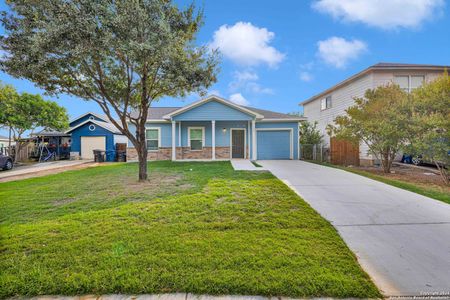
{"x":401,"y":239}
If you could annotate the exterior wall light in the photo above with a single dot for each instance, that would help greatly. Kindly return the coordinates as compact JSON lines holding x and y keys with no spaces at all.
{"x":224,"y":130}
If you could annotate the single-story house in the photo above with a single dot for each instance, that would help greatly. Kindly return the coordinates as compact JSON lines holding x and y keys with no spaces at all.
{"x":92,"y":131}
{"x":217,"y":129}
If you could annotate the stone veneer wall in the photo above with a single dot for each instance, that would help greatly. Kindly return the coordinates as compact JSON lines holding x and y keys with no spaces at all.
{"x":182,"y":153}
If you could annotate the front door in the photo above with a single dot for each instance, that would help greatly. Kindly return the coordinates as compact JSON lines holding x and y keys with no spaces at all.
{"x":237,"y":143}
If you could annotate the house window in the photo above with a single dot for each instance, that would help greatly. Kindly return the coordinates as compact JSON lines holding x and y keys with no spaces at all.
{"x":417,"y":81}
{"x":196,"y":138}
{"x":152,"y":138}
{"x":408,"y":83}
{"x":325,"y":103}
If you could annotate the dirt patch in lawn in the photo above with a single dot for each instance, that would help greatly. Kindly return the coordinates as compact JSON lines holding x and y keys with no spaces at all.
{"x":425,"y":177}
{"x":159,"y":184}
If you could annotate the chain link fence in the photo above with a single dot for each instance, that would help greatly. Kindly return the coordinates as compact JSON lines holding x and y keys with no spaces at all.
{"x":317,"y":152}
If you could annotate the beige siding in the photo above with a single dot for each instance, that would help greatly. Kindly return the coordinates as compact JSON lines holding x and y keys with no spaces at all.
{"x":385,"y":77}
{"x":343,"y":97}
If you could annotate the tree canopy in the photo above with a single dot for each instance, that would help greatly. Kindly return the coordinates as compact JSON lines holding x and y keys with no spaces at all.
{"x":430,"y":126}
{"x":381,"y":120}
{"x":26,"y":112}
{"x":122,"y":54}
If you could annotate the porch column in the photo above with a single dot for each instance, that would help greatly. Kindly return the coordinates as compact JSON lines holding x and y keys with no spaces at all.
{"x":213,"y":139}
{"x":254,"y":140}
{"x":179,"y":134}
{"x":174,"y":149}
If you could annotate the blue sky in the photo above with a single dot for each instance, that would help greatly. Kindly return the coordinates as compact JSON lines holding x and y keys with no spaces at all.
{"x":278,"y":53}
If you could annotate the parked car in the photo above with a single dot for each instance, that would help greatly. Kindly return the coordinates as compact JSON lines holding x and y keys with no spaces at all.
{"x":6,"y":162}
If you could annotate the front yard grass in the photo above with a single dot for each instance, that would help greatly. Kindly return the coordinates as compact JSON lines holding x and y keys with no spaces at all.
{"x":194,"y":227}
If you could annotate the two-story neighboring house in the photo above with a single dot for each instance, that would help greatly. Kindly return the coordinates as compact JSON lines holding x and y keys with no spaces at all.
{"x":327,"y":105}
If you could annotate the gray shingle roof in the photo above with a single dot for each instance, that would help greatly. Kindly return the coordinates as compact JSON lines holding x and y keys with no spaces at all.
{"x":383,"y":65}
{"x":378,"y":66}
{"x":157,"y":113}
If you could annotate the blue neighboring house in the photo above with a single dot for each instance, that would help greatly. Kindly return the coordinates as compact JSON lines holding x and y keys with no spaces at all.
{"x":214,"y":128}
{"x":92,"y":131}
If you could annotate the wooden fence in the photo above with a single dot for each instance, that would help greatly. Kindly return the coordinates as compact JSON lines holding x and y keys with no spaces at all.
{"x":344,"y":152}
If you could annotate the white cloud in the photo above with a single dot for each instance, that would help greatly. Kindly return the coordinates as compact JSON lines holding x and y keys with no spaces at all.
{"x":246,"y":44}
{"x":306,"y":76}
{"x":337,"y":51}
{"x":245,"y":76}
{"x":245,"y":80}
{"x":385,"y":14}
{"x":238,"y":99}
{"x":256,"y":88}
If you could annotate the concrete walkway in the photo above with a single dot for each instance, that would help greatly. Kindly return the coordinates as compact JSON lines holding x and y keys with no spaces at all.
{"x":244,"y":165}
{"x":174,"y":296}
{"x":41,"y":169}
{"x":401,"y":239}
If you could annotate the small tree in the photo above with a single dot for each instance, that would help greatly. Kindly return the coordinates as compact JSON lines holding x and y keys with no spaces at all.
{"x":8,"y":96}
{"x":123,"y":54}
{"x":309,"y":134}
{"x":26,"y":112}
{"x":430,"y":130}
{"x":381,"y":120}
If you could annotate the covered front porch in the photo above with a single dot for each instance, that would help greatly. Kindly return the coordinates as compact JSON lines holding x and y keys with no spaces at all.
{"x":212,"y":140}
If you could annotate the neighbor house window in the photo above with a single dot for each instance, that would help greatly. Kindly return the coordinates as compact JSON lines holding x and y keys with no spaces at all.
{"x":196,"y":137}
{"x":152,"y":139}
{"x":325,"y":103}
{"x":408,"y":83}
{"x":417,"y":81}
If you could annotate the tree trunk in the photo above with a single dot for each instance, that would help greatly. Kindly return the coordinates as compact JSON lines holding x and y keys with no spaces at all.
{"x":142,"y":151}
{"x":385,"y":162}
{"x":142,"y":157}
{"x":9,"y":142}
{"x":442,"y":172}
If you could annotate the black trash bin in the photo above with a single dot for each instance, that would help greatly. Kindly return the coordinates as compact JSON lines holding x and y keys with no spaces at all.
{"x":99,"y":155}
{"x":121,"y":156}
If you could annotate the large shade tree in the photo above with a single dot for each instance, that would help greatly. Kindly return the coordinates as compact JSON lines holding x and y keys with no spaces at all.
{"x":122,"y":54}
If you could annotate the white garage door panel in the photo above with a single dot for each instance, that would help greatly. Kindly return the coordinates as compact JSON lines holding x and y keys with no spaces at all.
{"x":91,"y":143}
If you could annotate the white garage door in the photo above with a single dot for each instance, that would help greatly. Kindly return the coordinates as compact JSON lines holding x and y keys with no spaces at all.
{"x":91,"y":143}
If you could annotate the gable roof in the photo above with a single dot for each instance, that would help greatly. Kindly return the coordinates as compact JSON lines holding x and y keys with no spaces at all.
{"x":208,"y":99}
{"x":376,"y":67}
{"x":108,"y":126}
{"x":164,"y":113}
{"x":101,"y":117}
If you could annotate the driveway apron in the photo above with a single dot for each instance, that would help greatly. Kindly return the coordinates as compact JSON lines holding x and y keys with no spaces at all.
{"x":401,"y":239}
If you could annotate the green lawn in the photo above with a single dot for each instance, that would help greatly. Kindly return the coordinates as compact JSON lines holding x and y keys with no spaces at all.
{"x":194,"y":227}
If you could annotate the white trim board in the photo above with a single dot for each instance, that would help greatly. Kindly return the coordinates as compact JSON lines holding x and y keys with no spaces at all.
{"x":98,"y":123}
{"x":90,"y":113}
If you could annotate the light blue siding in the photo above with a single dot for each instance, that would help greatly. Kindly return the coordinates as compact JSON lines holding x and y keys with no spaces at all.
{"x":274,"y":144}
{"x":213,"y":110}
{"x":223,"y":129}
